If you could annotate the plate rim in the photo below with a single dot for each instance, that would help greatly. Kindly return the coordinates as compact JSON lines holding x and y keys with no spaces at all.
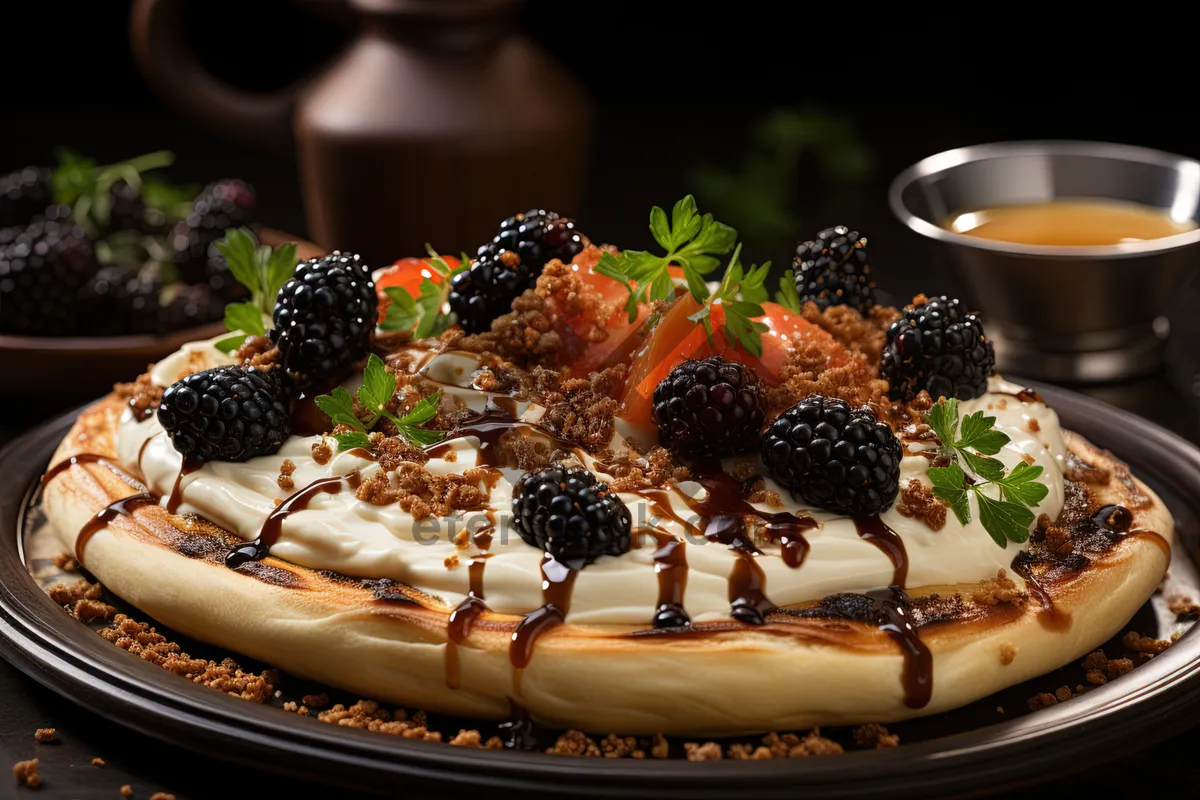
{"x":74,"y":662}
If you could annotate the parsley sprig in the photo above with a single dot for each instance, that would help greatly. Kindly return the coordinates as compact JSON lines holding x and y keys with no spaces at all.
{"x":377,"y":390}
{"x":740,"y":295}
{"x":970,"y":443}
{"x":692,"y":241}
{"x":423,"y":313}
{"x":78,"y":181}
{"x":787,"y":296}
{"x":260,"y":269}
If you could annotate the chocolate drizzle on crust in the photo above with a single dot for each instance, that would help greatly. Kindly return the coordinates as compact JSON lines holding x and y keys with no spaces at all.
{"x":272,"y":528}
{"x":124,"y":507}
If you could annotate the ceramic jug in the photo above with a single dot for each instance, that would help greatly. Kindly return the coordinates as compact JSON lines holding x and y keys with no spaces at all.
{"x":437,"y":122}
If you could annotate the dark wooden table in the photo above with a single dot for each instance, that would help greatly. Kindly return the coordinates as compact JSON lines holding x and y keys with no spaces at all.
{"x":902,"y":267}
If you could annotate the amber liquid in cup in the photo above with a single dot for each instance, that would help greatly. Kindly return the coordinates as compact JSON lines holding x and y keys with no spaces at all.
{"x":1069,"y":223}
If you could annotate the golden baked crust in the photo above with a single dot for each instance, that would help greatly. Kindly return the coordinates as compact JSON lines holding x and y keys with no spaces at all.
{"x":807,"y":666}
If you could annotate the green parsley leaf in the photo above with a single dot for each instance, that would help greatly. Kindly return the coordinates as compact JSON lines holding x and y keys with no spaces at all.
{"x":978,"y":433}
{"x":421,"y":436}
{"x":787,"y":296}
{"x":378,"y":387}
{"x":244,"y":317}
{"x":230,"y":343}
{"x":989,"y":469}
{"x":240,"y":248}
{"x":943,"y":418}
{"x":402,"y":314}
{"x":424,"y":410}
{"x":259,"y":268}
{"x":350,"y":440}
{"x":423,"y":313}
{"x":1021,"y":485}
{"x":338,"y":405}
{"x":1004,"y":520}
{"x":949,"y":484}
{"x":172,"y":200}
{"x":281,"y":266}
{"x":612,"y":267}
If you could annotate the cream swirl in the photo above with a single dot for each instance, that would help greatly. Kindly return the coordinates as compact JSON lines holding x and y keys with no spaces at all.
{"x":340,"y":533}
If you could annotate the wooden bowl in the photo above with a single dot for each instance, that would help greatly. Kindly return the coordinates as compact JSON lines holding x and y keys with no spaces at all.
{"x":81,"y":367}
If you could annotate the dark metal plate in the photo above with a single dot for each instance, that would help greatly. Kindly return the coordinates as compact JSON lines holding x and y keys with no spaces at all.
{"x":971,"y":750}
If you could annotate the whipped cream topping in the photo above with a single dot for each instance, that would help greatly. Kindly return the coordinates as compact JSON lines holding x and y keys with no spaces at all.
{"x":338,"y":532}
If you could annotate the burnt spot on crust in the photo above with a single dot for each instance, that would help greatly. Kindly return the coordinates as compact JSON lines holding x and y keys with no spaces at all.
{"x":268,"y":573}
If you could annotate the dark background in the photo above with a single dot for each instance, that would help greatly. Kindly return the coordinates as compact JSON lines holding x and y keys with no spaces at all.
{"x":677,"y":85}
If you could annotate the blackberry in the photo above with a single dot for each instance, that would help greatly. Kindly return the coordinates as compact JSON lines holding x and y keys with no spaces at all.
{"x":487,"y":289}
{"x":940,"y":348}
{"x":324,"y":316}
{"x":127,"y":211}
{"x":43,"y":267}
{"x":23,"y":195}
{"x":570,"y":515}
{"x":709,"y":409}
{"x":187,"y":307}
{"x":226,"y":414}
{"x":219,"y":206}
{"x":835,"y":457}
{"x":832,"y":270}
{"x":121,"y":299}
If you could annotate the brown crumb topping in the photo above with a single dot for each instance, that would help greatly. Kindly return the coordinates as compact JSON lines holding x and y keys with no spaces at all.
{"x":1008,"y":653}
{"x":322,"y":452}
{"x":473,"y":738}
{"x":315,"y":700}
{"x":142,"y":640}
{"x":258,"y":352}
{"x":530,"y":333}
{"x":873,"y":735}
{"x":83,"y":599}
{"x":709,"y":751}
{"x":127,"y":791}
{"x":44,"y":735}
{"x":423,"y":494}
{"x":998,"y":591}
{"x":631,"y":471}
{"x":26,"y":773}
{"x":368,"y":715}
{"x":1145,"y":645}
{"x":141,"y":395}
{"x":581,"y":410}
{"x":286,"y":470}
{"x":66,"y":562}
{"x":1045,"y":700}
{"x":162,"y":796}
{"x":907,"y":419}
{"x":1185,"y":609}
{"x":575,"y":743}
{"x":98,"y":762}
{"x":807,"y":372}
{"x":918,"y":502}
{"x":391,"y":451}
{"x":860,"y":335}
{"x":1100,"y":669}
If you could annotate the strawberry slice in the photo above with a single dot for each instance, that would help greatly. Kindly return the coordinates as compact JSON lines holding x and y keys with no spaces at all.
{"x":407,"y":273}
{"x":676,"y":339}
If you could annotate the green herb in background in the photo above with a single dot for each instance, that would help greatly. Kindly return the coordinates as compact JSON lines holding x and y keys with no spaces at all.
{"x":760,"y":197}
{"x":79,"y":182}
{"x":969,"y":445}
{"x":377,"y":390}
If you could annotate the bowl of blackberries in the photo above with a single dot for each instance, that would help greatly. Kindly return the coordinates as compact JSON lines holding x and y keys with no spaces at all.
{"x":105,"y":268}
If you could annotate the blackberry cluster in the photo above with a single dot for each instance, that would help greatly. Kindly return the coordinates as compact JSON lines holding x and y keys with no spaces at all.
{"x":121,"y":299}
{"x":570,"y":515}
{"x":709,"y":409}
{"x":219,"y":206}
{"x":835,"y":457}
{"x":43,"y":268}
{"x":324,"y":316}
{"x":940,"y":348}
{"x":225,"y":413}
{"x":23,"y":195}
{"x":832,"y":270}
{"x":186,"y":306}
{"x":487,"y":289}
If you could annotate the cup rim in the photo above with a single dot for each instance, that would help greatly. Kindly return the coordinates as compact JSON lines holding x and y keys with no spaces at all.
{"x":947,"y":159}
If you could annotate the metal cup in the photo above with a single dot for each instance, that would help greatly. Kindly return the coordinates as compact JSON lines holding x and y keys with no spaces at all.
{"x":1077,"y":314}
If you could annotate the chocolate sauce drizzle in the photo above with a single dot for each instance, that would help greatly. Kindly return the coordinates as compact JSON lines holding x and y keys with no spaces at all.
{"x":64,"y":465}
{"x":670,"y":566}
{"x":558,"y":580}
{"x":176,"y":497}
{"x":875,"y":531}
{"x":893,"y":613}
{"x":489,"y":427}
{"x":272,"y":527}
{"x":458,"y":627}
{"x":123,"y":507}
